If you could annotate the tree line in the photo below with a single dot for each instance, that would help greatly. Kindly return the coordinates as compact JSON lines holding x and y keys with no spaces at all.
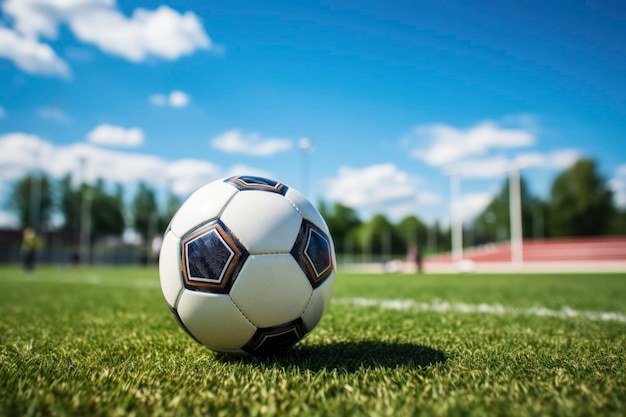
{"x":36,"y":199}
{"x":580,"y":203}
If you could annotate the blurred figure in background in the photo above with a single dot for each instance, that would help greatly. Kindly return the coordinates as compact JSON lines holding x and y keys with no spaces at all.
{"x":75,"y":259}
{"x":31,"y":243}
{"x":413,"y":259}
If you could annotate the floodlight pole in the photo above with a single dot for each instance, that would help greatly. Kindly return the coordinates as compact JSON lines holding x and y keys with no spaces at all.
{"x":386,"y":245}
{"x":35,"y":200}
{"x":515,"y":207}
{"x":85,"y":216}
{"x":306,"y":145}
{"x":35,"y":193}
{"x":456,"y":217}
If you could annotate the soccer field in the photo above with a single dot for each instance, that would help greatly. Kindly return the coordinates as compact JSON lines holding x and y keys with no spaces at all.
{"x":102,"y":342}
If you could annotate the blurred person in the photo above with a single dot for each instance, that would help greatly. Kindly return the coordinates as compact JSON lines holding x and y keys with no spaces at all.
{"x":414,"y":258}
{"x":31,"y":243}
{"x":418,"y":258}
{"x":75,"y":259}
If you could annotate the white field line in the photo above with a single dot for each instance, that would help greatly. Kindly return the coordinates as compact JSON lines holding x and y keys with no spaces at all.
{"x":86,"y":280}
{"x":443,"y":306}
{"x":436,"y":305}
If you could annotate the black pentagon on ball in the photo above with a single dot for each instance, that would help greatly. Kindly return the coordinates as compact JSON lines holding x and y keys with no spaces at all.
{"x":312,"y":251}
{"x":250,"y":182}
{"x":211,"y":258}
{"x":271,"y":340}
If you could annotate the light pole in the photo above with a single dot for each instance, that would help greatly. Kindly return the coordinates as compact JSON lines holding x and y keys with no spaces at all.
{"x":385,"y":250}
{"x":35,"y":200}
{"x":306,"y":145}
{"x":85,"y":214}
{"x":515,"y":207}
{"x":538,"y":226}
{"x":35,"y":193}
{"x":456,"y":218}
{"x":432,"y":239}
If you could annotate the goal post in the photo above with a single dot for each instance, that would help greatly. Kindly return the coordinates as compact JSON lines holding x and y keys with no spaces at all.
{"x":515,"y":217}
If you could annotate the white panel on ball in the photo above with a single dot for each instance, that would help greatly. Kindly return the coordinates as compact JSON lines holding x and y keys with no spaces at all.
{"x":169,"y":268}
{"x":203,"y":205}
{"x":268,"y":281}
{"x":307,"y":209}
{"x":319,"y":303}
{"x":214,"y":320}
{"x":264,"y":222}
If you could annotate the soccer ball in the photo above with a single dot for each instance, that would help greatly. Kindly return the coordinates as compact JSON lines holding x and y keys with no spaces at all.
{"x":247,"y":264}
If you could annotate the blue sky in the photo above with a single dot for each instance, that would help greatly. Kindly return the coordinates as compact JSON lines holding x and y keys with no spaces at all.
{"x":393,"y":95}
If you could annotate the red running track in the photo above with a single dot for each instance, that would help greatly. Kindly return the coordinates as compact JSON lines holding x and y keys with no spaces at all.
{"x":548,"y":250}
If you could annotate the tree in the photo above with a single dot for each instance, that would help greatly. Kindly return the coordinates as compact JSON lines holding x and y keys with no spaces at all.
{"x":379,"y":236}
{"x":581,"y":203}
{"x":342,"y":222}
{"x":145,"y":212}
{"x":618,"y":223}
{"x":32,"y":200}
{"x":413,"y":230}
{"x":70,"y":204}
{"x":173,"y":203}
{"x":493,"y":223}
{"x":443,"y":238}
{"x":107,"y":210}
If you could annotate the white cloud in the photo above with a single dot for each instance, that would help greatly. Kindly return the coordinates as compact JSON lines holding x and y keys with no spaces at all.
{"x":187,"y":175}
{"x":21,"y":153}
{"x":79,"y":53}
{"x":428,"y":198}
{"x":176,"y":98}
{"x":7,"y":219}
{"x":235,"y":141}
{"x":371,"y":185}
{"x":36,"y":18}
{"x":54,"y":113}
{"x":471,"y":204}
{"x":158,"y":99}
{"x":561,"y":159}
{"x":618,"y":186}
{"x":178,"y":173}
{"x":109,"y":135}
{"x":163,"y":33}
{"x":497,"y":166}
{"x":379,"y":188}
{"x":441,"y":145}
{"x":30,"y":55}
{"x":112,"y":165}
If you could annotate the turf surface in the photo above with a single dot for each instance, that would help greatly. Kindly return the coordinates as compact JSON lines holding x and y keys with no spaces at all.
{"x":102,"y":342}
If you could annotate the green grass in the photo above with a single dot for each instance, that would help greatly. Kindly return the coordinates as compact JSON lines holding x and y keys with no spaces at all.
{"x":102,"y":342}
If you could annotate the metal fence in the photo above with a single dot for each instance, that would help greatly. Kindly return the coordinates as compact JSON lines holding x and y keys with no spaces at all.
{"x":59,"y":248}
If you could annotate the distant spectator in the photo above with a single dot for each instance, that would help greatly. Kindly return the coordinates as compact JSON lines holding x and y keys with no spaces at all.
{"x":75,"y":259}
{"x":31,"y":243}
{"x":414,"y":258}
{"x":418,"y":259}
